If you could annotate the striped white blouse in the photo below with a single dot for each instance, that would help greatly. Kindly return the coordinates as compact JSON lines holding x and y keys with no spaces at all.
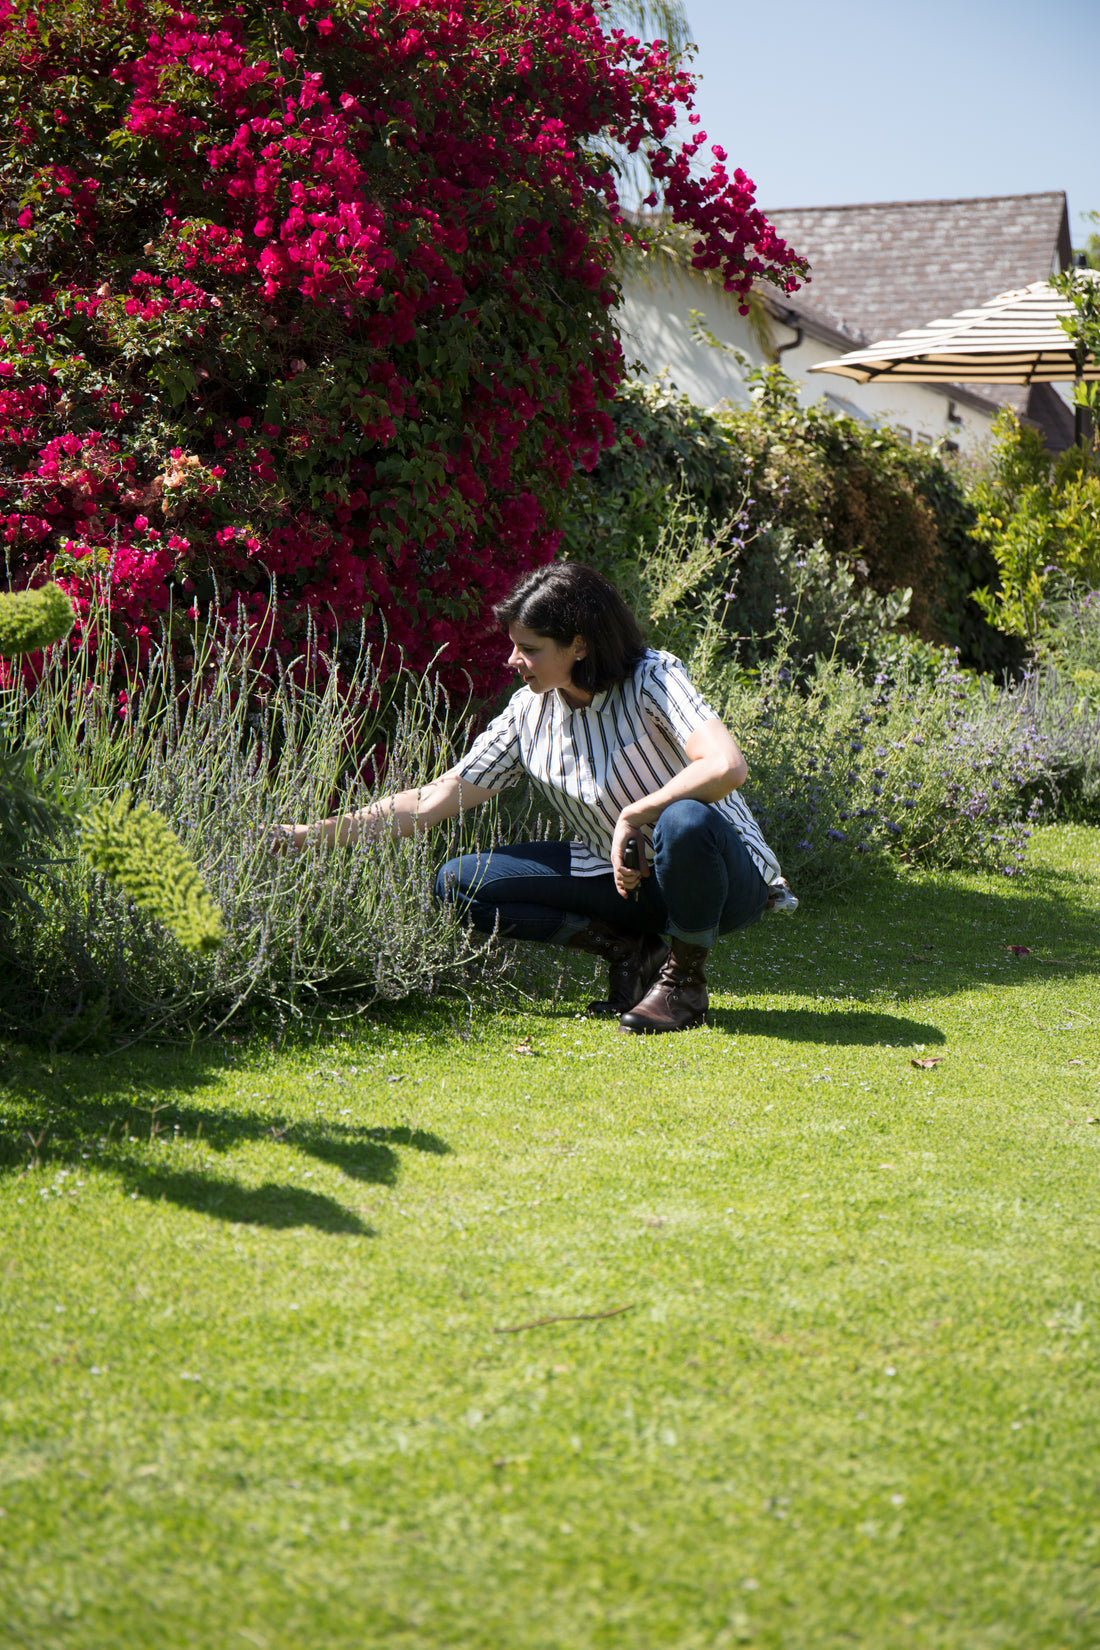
{"x":590,"y":763}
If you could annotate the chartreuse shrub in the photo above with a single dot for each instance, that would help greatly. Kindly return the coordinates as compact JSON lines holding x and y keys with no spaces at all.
{"x":131,"y":845}
{"x":31,"y":813}
{"x":33,"y":619}
{"x":309,"y":307}
{"x":135,"y":848}
{"x":1040,"y":517}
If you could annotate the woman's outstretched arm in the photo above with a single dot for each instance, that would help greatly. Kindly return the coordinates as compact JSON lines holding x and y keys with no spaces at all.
{"x":397,"y":815}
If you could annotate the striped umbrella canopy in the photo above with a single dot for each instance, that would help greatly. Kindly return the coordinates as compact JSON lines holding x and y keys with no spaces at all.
{"x":1013,"y":339}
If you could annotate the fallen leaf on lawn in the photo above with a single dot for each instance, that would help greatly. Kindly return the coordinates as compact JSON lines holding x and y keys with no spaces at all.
{"x":927,"y":1062}
{"x":1020,"y":950}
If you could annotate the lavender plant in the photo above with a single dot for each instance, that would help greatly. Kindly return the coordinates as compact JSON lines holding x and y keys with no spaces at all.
{"x":917,"y":762}
{"x":1064,"y":716}
{"x":938,"y":772}
{"x":252,"y":743}
{"x":1069,"y":640}
{"x":924,"y":765}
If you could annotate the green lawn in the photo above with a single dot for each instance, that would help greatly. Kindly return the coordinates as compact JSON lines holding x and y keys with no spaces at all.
{"x":254,"y":1391}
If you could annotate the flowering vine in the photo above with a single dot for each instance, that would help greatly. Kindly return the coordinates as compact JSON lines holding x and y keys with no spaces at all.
{"x":309,"y":304}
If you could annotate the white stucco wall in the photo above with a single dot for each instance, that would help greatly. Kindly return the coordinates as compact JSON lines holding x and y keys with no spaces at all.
{"x":919,"y":409}
{"x":654,"y":322}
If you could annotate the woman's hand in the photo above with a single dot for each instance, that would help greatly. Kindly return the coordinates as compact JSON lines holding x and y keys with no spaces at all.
{"x":288,"y":839}
{"x":627,"y":881}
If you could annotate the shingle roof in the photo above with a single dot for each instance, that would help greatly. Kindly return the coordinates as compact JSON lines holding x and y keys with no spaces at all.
{"x":880,"y":268}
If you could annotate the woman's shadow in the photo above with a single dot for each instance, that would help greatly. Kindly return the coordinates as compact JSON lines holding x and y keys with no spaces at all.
{"x":940,"y":939}
{"x":868,"y":1027}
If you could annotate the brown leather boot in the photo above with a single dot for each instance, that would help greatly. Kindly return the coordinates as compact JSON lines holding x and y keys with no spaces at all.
{"x":633,"y":961}
{"x":678,"y":999}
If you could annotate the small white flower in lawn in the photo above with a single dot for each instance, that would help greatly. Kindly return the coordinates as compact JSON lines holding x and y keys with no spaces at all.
{"x":293,"y":1307}
{"x":897,"y":1500}
{"x":890,"y":1370}
{"x":96,"y":1370}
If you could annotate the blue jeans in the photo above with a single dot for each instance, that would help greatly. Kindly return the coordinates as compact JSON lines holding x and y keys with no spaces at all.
{"x":702,"y":883}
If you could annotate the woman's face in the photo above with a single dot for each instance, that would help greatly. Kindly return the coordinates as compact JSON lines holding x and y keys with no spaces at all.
{"x":545,"y":665}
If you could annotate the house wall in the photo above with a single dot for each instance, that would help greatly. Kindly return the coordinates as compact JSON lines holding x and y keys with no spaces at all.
{"x":919,"y":409}
{"x":655,"y":325}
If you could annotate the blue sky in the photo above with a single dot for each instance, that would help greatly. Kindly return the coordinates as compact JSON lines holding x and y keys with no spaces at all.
{"x":830,"y":102}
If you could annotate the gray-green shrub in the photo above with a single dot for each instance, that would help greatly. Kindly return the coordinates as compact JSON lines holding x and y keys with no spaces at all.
{"x":920,"y":763}
{"x":896,"y":516}
{"x":910,"y":761}
{"x":252,"y":743}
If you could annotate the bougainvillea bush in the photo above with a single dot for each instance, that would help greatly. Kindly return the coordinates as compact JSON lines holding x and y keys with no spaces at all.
{"x":315,"y":298}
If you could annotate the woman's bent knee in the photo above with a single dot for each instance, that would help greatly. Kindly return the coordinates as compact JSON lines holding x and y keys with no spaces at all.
{"x":685,"y":818}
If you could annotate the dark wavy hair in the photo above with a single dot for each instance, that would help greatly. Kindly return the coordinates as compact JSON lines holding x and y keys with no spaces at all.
{"x":570,"y":599}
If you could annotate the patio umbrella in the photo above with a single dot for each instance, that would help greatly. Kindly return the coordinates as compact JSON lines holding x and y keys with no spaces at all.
{"x":1013,"y":339}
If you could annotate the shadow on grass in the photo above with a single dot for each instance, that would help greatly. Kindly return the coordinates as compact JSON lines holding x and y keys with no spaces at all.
{"x":274,"y":1205}
{"x":862,"y":1027}
{"x":55,"y":1112}
{"x":935,"y":934}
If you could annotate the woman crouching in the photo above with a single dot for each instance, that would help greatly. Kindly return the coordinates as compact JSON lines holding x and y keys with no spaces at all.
{"x":618,"y":742}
